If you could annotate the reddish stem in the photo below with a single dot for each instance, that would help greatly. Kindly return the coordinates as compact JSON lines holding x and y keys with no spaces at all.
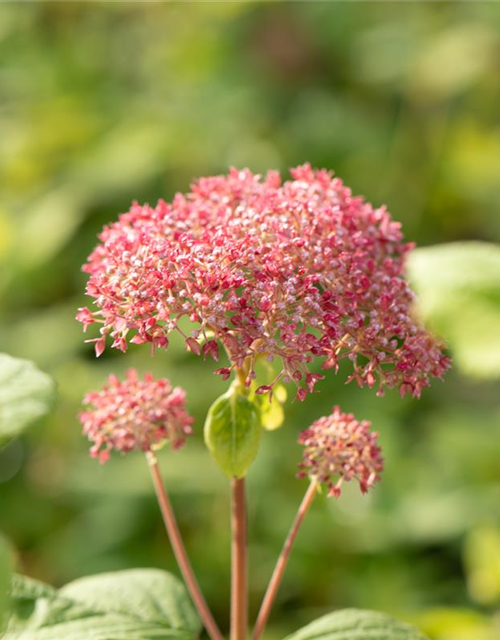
{"x":180,"y":552}
{"x":239,"y":589}
{"x":279,"y":569}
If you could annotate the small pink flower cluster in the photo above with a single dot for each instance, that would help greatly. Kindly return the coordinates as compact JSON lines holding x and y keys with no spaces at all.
{"x":135,"y":415}
{"x":288,"y":271}
{"x":338,"y":448}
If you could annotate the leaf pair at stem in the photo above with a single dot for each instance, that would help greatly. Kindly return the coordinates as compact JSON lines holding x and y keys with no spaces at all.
{"x":150,"y":604}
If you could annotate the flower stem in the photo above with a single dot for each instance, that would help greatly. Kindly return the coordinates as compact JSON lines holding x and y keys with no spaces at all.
{"x":239,"y":589}
{"x":180,"y":551}
{"x":279,"y":569}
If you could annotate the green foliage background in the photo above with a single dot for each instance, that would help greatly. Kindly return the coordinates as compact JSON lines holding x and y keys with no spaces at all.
{"x":103,"y":103}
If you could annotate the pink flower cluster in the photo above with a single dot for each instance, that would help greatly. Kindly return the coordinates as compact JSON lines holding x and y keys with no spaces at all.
{"x":135,"y":415}
{"x":288,"y":271}
{"x":338,"y":448}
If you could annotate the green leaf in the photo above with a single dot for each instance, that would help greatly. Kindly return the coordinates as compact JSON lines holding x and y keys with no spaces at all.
{"x":88,"y":626}
{"x":5,"y":565}
{"x":147,"y":594}
{"x":356,"y":624}
{"x":127,"y":605}
{"x":26,"y":394}
{"x":36,"y":605}
{"x":25,"y":588}
{"x":232,"y":432}
{"x":458,"y":286}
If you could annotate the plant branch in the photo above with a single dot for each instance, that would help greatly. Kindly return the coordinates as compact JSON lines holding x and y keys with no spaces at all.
{"x":180,"y":551}
{"x":239,"y":589}
{"x":280,"y":567}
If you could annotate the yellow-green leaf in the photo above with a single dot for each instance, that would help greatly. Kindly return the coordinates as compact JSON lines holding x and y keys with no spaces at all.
{"x":232,"y":432}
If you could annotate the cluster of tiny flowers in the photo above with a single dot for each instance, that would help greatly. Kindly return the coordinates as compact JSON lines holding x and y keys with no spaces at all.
{"x":286,"y":271}
{"x":338,"y":448}
{"x":135,"y":415}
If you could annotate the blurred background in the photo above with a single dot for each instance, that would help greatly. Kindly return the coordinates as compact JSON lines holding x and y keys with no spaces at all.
{"x":104,"y":103}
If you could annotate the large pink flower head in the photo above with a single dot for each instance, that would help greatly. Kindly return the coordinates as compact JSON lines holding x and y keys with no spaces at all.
{"x":288,"y":271}
{"x":135,"y":415}
{"x":338,"y":448}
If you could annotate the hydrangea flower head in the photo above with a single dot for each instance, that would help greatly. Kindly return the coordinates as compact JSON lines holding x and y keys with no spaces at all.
{"x":135,"y":415}
{"x":338,"y":448}
{"x":288,"y":271}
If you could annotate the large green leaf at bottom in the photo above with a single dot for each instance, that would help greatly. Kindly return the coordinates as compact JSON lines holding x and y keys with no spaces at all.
{"x":357,"y":624}
{"x":43,"y":613}
{"x":98,"y":627}
{"x":147,"y":594}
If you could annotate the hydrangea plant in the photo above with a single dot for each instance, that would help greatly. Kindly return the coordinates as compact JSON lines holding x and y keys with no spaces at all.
{"x":249,"y":270}
{"x":261,"y":269}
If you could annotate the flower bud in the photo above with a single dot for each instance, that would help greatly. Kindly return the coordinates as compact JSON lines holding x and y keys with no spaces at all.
{"x":135,"y":415}
{"x":338,"y":448}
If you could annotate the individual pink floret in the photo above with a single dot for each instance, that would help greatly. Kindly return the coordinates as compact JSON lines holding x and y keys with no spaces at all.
{"x":289,"y":271}
{"x":135,"y":415}
{"x":338,"y":448}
